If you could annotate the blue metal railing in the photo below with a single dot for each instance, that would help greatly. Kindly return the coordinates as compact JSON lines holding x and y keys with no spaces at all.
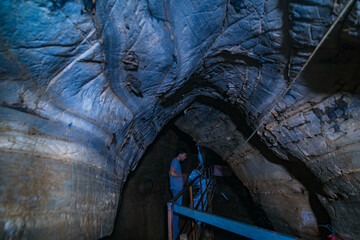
{"x":206,"y":178}
{"x":206,"y":217}
{"x":239,"y":228}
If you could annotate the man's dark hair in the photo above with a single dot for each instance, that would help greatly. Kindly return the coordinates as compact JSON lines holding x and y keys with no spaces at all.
{"x":180,"y":152}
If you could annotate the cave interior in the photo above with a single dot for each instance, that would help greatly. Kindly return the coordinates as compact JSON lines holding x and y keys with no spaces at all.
{"x":96,"y":98}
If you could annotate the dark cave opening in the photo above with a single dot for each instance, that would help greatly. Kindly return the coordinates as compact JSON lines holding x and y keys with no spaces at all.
{"x":142,"y":211}
{"x":233,"y":201}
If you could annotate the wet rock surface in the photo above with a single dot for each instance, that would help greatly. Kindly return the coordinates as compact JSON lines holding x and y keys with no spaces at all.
{"x":86,"y":86}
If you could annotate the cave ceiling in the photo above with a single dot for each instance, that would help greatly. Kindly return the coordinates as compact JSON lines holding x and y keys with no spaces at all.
{"x":86,"y":86}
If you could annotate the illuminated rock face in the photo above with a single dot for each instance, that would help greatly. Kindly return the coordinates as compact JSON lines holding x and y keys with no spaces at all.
{"x":283,"y":197}
{"x":85,"y":88}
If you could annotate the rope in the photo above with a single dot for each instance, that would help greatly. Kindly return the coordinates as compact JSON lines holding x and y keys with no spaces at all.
{"x":345,"y":9}
{"x":333,"y":235}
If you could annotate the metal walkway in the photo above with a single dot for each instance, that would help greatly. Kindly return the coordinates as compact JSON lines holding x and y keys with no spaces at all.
{"x":200,"y":211}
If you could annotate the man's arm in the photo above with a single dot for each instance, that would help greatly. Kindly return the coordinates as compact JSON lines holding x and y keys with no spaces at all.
{"x":173,"y":173}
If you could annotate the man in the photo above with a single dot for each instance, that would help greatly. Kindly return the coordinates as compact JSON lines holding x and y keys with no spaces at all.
{"x":177,"y":184}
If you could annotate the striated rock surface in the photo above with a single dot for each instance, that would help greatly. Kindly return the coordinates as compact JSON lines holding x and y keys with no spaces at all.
{"x":284,"y":198}
{"x":86,"y":86}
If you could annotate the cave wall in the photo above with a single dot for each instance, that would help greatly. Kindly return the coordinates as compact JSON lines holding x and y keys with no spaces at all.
{"x":271,"y":184}
{"x":86,"y":87}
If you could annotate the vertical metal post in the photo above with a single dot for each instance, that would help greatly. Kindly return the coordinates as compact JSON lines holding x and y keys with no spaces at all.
{"x":215,"y":183}
{"x":170,"y":211}
{"x":206,"y":205}
{"x":191,"y":198}
{"x":207,"y":189}
{"x":212,"y":179}
{"x":200,"y":192}
{"x":209,"y":198}
{"x":192,"y":207}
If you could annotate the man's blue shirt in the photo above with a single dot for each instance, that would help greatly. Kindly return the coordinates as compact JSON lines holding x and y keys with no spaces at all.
{"x":176,"y":183}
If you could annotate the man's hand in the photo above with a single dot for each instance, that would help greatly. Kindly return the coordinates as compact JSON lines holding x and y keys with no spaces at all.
{"x":173,"y":173}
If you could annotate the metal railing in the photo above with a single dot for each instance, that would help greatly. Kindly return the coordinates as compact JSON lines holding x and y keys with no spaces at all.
{"x":202,"y":213}
{"x":206,"y":192}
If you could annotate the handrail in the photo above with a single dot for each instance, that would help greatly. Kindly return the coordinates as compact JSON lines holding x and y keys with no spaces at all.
{"x":170,"y":205}
{"x":203,"y":193}
{"x":205,"y":216}
{"x":236,"y":227}
{"x":187,"y":187}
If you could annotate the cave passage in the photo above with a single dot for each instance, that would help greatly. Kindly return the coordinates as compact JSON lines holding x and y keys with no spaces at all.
{"x":143,"y":214}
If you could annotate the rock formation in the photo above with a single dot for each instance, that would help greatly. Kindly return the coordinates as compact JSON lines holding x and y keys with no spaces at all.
{"x":86,"y":86}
